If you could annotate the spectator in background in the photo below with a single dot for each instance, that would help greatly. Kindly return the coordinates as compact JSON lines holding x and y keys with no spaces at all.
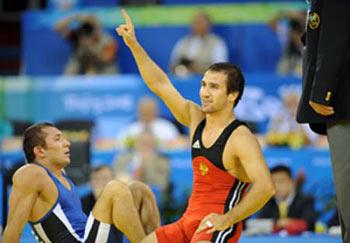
{"x":144,"y":163}
{"x":289,"y":26}
{"x":195,"y":52}
{"x":283,"y":130}
{"x":63,"y":5}
{"x":289,"y":208}
{"x":163,"y":130}
{"x":94,"y":51}
{"x":99,"y":177}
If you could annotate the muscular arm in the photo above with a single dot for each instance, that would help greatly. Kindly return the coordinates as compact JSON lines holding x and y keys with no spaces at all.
{"x":155,"y":78}
{"x":24,"y":193}
{"x":249,"y":153}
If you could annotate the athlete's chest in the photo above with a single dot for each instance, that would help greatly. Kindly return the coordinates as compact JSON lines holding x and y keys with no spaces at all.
{"x":209,"y":137}
{"x":234,"y":166}
{"x":46,"y":200}
{"x":220,"y":157}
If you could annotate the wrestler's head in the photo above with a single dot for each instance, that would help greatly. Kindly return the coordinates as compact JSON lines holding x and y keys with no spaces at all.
{"x":44,"y":142}
{"x":222,"y":87}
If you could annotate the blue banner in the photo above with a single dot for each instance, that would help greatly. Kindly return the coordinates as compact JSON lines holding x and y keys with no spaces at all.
{"x":55,"y":98}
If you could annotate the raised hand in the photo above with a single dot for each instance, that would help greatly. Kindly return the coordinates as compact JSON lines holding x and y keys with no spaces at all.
{"x":127,"y":30}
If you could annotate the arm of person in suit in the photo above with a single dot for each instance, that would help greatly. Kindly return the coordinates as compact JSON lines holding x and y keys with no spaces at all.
{"x":333,"y":46}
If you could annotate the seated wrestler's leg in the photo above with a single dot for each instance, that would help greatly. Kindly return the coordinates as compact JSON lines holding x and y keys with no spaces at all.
{"x":116,"y":206}
{"x":151,"y":238}
{"x":146,"y":204}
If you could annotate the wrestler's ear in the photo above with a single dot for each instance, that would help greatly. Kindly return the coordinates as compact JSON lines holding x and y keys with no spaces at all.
{"x":232,"y":96}
{"x":39,"y":151}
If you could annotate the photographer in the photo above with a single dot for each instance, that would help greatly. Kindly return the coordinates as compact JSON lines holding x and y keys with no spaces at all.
{"x":289,"y":26}
{"x":94,"y":51}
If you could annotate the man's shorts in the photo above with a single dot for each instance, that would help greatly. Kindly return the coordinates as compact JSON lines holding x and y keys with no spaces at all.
{"x":183,"y":231}
{"x":99,"y":232}
{"x":95,"y":232}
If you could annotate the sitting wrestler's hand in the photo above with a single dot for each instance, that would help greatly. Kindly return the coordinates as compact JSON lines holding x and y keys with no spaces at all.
{"x":214,"y":222}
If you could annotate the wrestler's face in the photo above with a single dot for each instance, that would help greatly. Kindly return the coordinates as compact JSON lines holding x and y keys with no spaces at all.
{"x":213,"y":92}
{"x":57,"y":147}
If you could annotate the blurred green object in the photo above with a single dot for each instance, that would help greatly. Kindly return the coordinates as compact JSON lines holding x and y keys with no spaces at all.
{"x":177,"y":14}
{"x":219,"y":13}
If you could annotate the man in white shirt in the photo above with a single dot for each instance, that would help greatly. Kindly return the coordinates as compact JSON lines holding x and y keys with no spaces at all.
{"x":195,"y":52}
{"x":148,"y":119}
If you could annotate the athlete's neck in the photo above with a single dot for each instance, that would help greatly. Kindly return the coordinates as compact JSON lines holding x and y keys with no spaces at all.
{"x":54,"y":169}
{"x":219,"y":119}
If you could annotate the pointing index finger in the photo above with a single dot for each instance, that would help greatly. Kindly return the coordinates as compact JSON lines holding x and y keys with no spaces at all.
{"x":126,"y":17}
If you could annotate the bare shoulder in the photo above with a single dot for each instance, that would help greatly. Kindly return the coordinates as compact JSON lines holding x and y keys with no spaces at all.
{"x":242,"y":132}
{"x":29,"y":176}
{"x":243,"y":138}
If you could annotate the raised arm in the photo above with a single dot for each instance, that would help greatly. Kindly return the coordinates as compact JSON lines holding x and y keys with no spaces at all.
{"x":24,"y":193}
{"x":155,"y":78}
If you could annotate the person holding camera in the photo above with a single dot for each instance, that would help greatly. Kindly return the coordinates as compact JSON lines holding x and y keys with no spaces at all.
{"x":94,"y":51}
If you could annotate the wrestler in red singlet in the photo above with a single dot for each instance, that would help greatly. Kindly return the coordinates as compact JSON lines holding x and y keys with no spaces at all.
{"x":217,"y":205}
{"x":214,"y":191}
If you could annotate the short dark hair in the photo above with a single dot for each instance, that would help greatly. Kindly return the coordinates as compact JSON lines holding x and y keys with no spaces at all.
{"x":281,"y":168}
{"x":34,"y":136}
{"x":235,"y":78}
